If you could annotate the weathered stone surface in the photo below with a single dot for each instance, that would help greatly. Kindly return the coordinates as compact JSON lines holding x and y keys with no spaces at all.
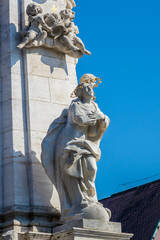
{"x":11,"y":121}
{"x":19,"y":195}
{"x":28,"y":82}
{"x":39,"y":88}
{"x":11,"y":87}
{"x":10,"y":235}
{"x":83,"y":234}
{"x":1,"y":150}
{"x":72,"y":234}
{"x":8,"y":193}
{"x":40,"y":191}
{"x":89,"y":224}
{"x":59,"y":93}
{"x":49,"y":67}
{"x":50,"y":110}
{"x":13,"y":144}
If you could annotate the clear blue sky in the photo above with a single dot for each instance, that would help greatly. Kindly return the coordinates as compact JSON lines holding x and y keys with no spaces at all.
{"x":124,"y":38}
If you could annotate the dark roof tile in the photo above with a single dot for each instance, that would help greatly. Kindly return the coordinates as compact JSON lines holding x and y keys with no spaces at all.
{"x":138,"y":209}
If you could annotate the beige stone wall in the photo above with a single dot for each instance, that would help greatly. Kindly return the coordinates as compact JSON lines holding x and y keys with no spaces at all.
{"x":36,"y":85}
{"x":51,"y":79}
{"x":11,"y":101}
{"x":1,"y":183}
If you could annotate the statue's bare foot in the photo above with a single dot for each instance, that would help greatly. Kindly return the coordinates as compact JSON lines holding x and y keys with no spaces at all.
{"x":35,"y":43}
{"x":21,"y":45}
{"x":74,"y":49}
{"x":77,"y":53}
{"x":84,"y":203}
{"x":87,"y":52}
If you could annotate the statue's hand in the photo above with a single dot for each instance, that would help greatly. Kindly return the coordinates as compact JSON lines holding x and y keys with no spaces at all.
{"x":106,"y":120}
{"x":97,"y":116}
{"x":90,"y":122}
{"x":30,"y":18}
{"x":84,"y":121}
{"x":93,"y":122}
{"x":48,"y":29}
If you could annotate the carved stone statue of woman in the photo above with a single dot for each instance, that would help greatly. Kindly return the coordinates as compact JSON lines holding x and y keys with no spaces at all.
{"x":70,"y":152}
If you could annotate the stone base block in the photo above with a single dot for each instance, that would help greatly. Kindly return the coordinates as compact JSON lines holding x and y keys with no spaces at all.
{"x":84,"y":234}
{"x":73,"y":234}
{"x":89,"y":224}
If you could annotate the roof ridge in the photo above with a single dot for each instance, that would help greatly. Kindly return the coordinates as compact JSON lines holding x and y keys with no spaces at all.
{"x":132,"y":189}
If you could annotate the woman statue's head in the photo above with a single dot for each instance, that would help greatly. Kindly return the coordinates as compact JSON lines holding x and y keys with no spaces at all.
{"x":85,"y":88}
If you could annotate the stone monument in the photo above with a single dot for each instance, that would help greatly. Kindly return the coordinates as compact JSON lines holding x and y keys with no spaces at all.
{"x":39,"y":51}
{"x":70,"y":151}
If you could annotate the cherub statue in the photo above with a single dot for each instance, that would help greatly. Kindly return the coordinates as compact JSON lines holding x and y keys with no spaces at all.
{"x":52,"y":30}
{"x":37,"y":29}
{"x":68,"y":36}
{"x":70,"y":4}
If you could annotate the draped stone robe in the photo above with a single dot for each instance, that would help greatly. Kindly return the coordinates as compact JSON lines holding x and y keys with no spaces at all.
{"x":69,"y":154}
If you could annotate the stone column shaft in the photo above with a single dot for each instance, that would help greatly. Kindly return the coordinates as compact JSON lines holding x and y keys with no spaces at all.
{"x":35,"y":87}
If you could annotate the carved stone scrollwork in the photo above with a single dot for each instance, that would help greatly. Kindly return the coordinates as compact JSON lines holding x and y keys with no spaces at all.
{"x":54,"y":31}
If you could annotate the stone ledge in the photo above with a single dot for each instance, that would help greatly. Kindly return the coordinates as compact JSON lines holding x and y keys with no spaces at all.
{"x":89,"y":224}
{"x":74,"y":234}
{"x":22,"y":219}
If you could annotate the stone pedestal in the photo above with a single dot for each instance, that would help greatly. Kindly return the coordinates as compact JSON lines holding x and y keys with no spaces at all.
{"x":89,"y":224}
{"x":88,"y":229}
{"x":84,"y":234}
{"x":35,"y":86}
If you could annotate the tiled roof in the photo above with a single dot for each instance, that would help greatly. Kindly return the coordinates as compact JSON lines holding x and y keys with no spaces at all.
{"x":156,"y":235}
{"x":138,"y":209}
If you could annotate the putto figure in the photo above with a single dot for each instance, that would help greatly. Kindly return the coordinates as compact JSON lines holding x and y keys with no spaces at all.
{"x":54,"y":31}
{"x":70,"y":152}
{"x":70,"y":4}
{"x":37,"y":29}
{"x":68,"y":36}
